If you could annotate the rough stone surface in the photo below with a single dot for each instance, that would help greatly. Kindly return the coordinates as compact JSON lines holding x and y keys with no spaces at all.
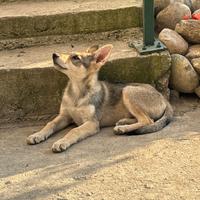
{"x":195,"y":4}
{"x":173,"y":41}
{"x":197,"y":11}
{"x":196,"y":64}
{"x":189,"y":29}
{"x":11,"y":1}
{"x":27,"y":92}
{"x":197,"y":91}
{"x":162,"y":85}
{"x":32,"y":19}
{"x":193,"y":51}
{"x":126,"y":35}
{"x":147,"y":69}
{"x":161,"y":4}
{"x":186,"y":2}
{"x":183,"y":76}
{"x":174,"y":95}
{"x":171,"y":15}
{"x":30,"y":87}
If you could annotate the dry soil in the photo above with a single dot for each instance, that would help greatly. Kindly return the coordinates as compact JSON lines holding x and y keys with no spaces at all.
{"x":162,"y":165}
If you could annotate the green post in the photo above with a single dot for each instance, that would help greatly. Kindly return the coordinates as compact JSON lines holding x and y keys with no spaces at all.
{"x":150,"y":44}
{"x":148,"y":22}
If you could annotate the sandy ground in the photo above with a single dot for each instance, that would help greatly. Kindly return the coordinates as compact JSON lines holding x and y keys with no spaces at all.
{"x":162,"y":165}
{"x":41,"y":8}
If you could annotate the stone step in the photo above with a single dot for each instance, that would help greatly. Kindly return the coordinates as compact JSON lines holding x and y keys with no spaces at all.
{"x":11,"y":1}
{"x":48,"y":21}
{"x":30,"y":87}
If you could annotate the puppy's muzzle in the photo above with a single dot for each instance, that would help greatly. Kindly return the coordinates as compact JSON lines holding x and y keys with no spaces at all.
{"x":58,"y":62}
{"x":55,"y":57}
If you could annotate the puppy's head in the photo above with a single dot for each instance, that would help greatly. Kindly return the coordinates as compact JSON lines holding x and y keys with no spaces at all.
{"x":79,"y":65}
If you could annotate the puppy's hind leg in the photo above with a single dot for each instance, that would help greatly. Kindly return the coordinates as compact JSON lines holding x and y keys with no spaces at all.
{"x":142,"y":118}
{"x":60,"y":122}
{"x":126,"y":121}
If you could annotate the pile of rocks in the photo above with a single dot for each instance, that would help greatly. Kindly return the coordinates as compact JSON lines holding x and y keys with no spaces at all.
{"x":181,"y":34}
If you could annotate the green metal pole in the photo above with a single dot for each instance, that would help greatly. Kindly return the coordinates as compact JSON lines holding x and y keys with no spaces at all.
{"x":150,"y":44}
{"x":148,"y":22}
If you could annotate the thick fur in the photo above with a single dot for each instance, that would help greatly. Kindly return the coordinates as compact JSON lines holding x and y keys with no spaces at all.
{"x":91,"y":104}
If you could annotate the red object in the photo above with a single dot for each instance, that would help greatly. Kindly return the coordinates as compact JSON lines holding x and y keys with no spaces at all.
{"x":186,"y":17}
{"x":196,"y":16}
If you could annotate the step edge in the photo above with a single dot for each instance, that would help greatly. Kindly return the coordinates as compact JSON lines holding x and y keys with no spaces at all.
{"x":49,"y":64}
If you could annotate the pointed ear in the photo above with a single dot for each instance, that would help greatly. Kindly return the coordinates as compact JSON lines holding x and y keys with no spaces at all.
{"x":102,"y":54}
{"x":92,"y":49}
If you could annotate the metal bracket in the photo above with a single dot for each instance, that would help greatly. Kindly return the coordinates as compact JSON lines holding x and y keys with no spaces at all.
{"x":150,"y":44}
{"x":145,"y":49}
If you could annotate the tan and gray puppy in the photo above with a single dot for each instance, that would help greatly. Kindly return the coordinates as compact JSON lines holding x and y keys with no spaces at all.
{"x":91,"y":104}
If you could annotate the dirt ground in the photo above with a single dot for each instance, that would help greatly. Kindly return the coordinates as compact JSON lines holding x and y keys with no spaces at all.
{"x":162,"y":165}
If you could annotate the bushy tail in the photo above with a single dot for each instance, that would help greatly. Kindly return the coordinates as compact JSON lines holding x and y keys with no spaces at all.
{"x":159,"y":124}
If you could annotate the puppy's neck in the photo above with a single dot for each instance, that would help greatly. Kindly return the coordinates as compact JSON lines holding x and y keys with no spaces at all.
{"x":82,"y":88}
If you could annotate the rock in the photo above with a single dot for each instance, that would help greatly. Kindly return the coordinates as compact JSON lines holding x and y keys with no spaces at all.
{"x":8,"y":182}
{"x":197,"y":11}
{"x":149,"y":186}
{"x":174,"y":95}
{"x":195,"y":4}
{"x":193,"y":52}
{"x":183,"y":77}
{"x":190,"y":30}
{"x":197,"y":91}
{"x":196,"y":64}
{"x":88,"y":194}
{"x":162,"y":85}
{"x":173,"y":41}
{"x":171,"y":15}
{"x":161,"y":4}
{"x":186,"y":2}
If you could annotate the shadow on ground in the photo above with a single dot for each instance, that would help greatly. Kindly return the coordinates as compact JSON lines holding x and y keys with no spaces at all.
{"x":36,"y":168}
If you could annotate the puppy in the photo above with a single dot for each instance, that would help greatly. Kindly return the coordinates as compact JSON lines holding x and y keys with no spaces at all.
{"x":91,"y":104}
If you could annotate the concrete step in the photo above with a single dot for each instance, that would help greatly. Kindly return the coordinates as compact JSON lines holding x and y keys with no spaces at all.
{"x":26,"y":21}
{"x":11,"y":1}
{"x":30,"y":87}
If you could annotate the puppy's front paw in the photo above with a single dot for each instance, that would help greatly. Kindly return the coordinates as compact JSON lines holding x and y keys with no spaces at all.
{"x":60,"y":145}
{"x":35,"y":138}
{"x":119,"y":130}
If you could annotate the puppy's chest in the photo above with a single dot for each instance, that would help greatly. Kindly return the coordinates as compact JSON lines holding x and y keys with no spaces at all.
{"x":79,"y":111}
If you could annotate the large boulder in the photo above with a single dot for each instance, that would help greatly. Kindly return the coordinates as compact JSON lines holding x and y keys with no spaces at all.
{"x":161,"y":4}
{"x":171,"y":15}
{"x":193,"y":51}
{"x":196,"y":64}
{"x":173,"y":41}
{"x":190,"y":30}
{"x":183,"y":77}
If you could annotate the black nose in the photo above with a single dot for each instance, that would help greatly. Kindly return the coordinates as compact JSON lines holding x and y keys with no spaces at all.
{"x":54,"y":56}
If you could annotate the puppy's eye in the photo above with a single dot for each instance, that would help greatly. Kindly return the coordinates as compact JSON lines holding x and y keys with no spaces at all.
{"x":75,"y":58}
